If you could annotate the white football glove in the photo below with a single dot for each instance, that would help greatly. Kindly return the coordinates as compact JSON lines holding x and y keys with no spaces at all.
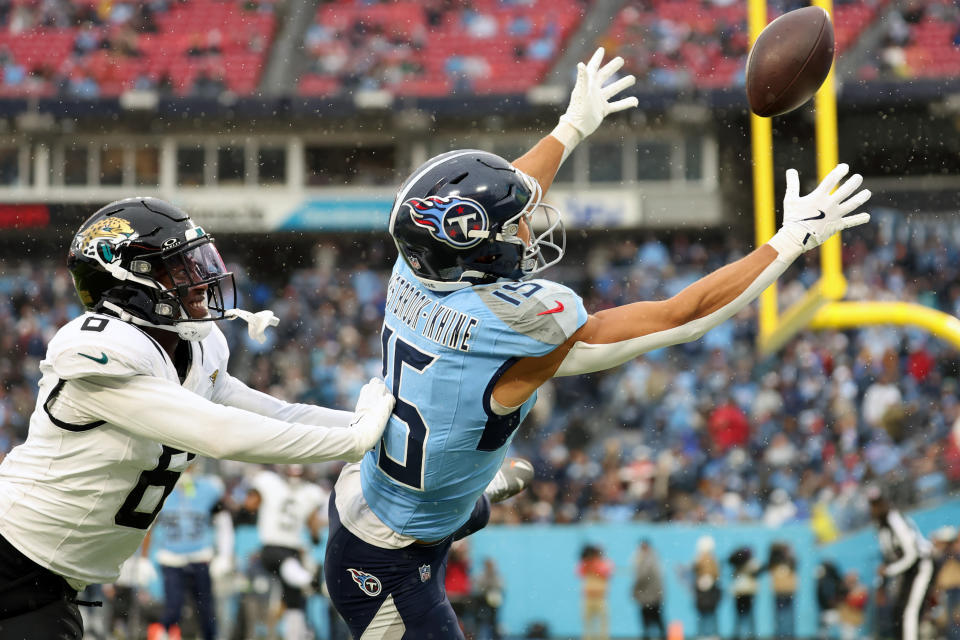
{"x":220,"y":566}
{"x":590,"y":100}
{"x":374,"y":407}
{"x":810,"y":220}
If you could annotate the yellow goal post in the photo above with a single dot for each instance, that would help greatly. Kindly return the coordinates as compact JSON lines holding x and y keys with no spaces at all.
{"x":820,"y":308}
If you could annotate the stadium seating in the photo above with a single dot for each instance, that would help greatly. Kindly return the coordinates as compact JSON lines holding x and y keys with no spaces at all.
{"x":932,"y":51}
{"x":85,"y":48}
{"x":427,"y":49}
{"x":128,"y":45}
{"x":704,"y":44}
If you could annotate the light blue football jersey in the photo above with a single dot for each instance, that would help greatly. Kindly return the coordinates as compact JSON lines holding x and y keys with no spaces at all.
{"x":442,"y":355}
{"x":185,"y":523}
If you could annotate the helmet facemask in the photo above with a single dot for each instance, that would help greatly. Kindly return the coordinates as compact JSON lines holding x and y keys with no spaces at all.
{"x":534,"y":260}
{"x":170,"y":278}
{"x":198,"y":264}
{"x":536,"y":214}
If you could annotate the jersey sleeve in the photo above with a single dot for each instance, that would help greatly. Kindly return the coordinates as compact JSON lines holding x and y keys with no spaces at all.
{"x":539,"y":315}
{"x":99,"y":345}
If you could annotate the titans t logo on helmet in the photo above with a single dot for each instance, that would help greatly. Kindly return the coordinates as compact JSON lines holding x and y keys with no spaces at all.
{"x":450,"y":220}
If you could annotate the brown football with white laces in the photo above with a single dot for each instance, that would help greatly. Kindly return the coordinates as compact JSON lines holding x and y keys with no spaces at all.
{"x":789,"y":61}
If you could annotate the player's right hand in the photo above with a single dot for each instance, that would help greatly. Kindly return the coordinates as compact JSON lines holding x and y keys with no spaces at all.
{"x":810,"y":220}
{"x":370,"y":418}
{"x":590,"y":101}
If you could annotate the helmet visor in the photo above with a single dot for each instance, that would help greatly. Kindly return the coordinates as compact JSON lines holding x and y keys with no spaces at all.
{"x":200,"y":265}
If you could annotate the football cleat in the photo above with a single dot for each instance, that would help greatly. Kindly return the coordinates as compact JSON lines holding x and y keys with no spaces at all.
{"x":513,"y":477}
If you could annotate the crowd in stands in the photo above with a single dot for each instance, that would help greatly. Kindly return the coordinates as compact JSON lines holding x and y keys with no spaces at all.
{"x":920,"y":38}
{"x":436,"y":47}
{"x":202,"y":48}
{"x":704,"y":43}
{"x":88,"y":49}
{"x":706,"y":432}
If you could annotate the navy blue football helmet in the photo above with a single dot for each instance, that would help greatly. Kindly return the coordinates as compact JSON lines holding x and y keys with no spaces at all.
{"x":457,"y":222}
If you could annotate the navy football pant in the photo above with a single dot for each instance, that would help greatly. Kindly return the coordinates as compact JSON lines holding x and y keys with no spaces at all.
{"x":395,"y":594}
{"x":194,"y":577}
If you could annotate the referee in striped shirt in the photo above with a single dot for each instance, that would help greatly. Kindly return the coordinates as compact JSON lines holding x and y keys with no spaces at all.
{"x":907,"y":558}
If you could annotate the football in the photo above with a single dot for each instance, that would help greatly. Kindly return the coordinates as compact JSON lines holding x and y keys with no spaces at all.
{"x":789,"y":61}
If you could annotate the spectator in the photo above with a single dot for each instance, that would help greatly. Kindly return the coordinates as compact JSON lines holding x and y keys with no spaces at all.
{"x":489,"y":589}
{"x":947,"y":544}
{"x":831,"y":592}
{"x":595,"y":571}
{"x":457,"y":579}
{"x":648,"y":590}
{"x":706,"y":584}
{"x":851,"y":610}
{"x":744,"y":589}
{"x":783,"y":576}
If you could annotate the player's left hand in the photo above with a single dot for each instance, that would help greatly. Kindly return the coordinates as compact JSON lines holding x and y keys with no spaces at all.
{"x":374,"y":407}
{"x":810,"y":220}
{"x":590,"y":101}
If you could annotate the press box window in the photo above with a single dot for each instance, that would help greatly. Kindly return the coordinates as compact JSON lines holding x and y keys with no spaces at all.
{"x":190,"y":166}
{"x":230,"y":165}
{"x":111,"y":166}
{"x":272,"y":165}
{"x":328,"y":166}
{"x":653,"y":160}
{"x":9,"y":165}
{"x":606,"y":162}
{"x":146,"y":165}
{"x":75,"y":166}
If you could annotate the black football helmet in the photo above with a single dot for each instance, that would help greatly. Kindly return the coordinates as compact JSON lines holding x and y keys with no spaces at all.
{"x":139,"y":258}
{"x":456,"y":222}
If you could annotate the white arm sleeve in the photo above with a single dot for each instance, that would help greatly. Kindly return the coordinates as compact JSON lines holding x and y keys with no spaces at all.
{"x":234,"y":393}
{"x":908,"y":543}
{"x":166,"y":412}
{"x":587,"y":358}
{"x":223,"y":525}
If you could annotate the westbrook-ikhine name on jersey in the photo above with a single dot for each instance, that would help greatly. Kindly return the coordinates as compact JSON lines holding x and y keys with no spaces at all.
{"x":443,"y":325}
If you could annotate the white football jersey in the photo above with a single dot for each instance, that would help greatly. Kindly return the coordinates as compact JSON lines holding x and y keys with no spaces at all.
{"x":285,"y":509}
{"x":79,"y":495}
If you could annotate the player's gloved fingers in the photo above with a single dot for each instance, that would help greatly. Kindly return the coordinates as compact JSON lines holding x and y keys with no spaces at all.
{"x":855,"y":202}
{"x":373,"y":395}
{"x":616,"y":87}
{"x":832,"y":179}
{"x":620,"y":105}
{"x":848,"y":187}
{"x":793,"y":185}
{"x":581,"y":76}
{"x":596,"y":59}
{"x":855,"y":220}
{"x":607,"y":71}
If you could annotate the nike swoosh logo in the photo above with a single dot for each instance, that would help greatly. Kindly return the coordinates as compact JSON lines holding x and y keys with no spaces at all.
{"x":819,"y":217}
{"x":556,"y":309}
{"x":102,"y":359}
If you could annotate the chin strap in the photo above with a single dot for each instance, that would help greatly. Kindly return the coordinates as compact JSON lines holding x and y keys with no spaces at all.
{"x":257,"y":323}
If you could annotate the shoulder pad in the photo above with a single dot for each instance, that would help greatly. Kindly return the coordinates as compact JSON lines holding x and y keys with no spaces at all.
{"x":101,"y":345}
{"x":216,"y":347}
{"x":540,"y":309}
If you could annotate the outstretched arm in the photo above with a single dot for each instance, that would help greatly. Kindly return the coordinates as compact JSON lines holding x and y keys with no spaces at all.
{"x":614,"y":336}
{"x":590,"y":102}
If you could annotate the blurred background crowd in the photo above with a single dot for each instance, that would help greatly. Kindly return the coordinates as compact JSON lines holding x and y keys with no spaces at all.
{"x":96,"y":48}
{"x":707,"y":432}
